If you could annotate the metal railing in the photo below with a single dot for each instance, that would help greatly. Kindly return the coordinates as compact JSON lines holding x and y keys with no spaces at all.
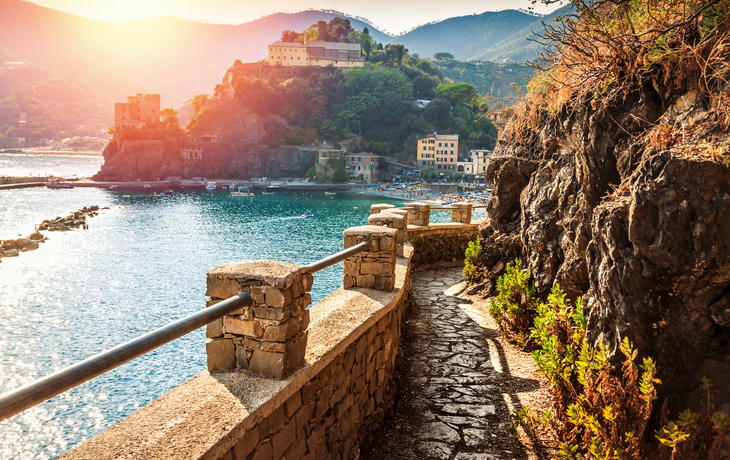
{"x":35,"y":393}
{"x":338,"y":257}
{"x":23,"y":398}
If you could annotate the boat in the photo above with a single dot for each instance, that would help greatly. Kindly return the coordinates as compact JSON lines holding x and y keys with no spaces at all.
{"x":57,"y":184}
{"x":210,"y":186}
{"x":268,"y":193}
{"x":330,"y":193}
{"x":244,"y":193}
{"x":307,"y":214}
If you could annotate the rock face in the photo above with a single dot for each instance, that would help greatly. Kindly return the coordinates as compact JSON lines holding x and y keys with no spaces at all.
{"x":249,"y":149}
{"x":640,"y":230}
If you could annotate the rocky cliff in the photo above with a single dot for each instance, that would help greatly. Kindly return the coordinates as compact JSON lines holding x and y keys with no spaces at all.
{"x":248,"y":149}
{"x":624,"y":200}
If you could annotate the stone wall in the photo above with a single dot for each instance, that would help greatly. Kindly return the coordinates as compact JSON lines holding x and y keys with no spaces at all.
{"x":441,"y":242}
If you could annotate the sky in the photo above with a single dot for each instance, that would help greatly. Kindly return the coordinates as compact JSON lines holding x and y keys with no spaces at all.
{"x":391,"y":16}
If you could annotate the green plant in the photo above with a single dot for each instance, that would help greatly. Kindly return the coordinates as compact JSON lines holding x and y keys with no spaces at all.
{"x":514,"y":307}
{"x":598,"y":414}
{"x":693,"y":435}
{"x":473,"y":251}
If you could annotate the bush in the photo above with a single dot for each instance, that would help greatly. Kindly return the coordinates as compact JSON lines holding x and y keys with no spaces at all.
{"x":514,"y":307}
{"x":598,"y":415}
{"x":473,"y":251}
{"x":294,"y":138}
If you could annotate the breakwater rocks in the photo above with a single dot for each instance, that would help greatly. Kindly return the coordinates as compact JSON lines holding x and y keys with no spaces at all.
{"x":13,"y":248}
{"x":77,"y":219}
{"x":74,"y":220}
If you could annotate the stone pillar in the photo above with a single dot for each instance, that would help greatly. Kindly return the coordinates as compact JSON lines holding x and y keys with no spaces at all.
{"x":270,"y":336}
{"x":462,"y":213}
{"x":420,"y":215}
{"x":392,"y":219}
{"x":374,"y":267}
{"x":380,"y":207}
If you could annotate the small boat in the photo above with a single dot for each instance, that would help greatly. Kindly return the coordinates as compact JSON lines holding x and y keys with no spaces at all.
{"x":308,"y":213}
{"x":268,"y":193}
{"x":330,"y":193}
{"x":210,"y":186}
{"x":246,"y":193}
{"x":57,"y":184}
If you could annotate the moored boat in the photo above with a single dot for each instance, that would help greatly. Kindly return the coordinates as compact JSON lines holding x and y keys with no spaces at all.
{"x":57,"y":184}
{"x":245,"y":193}
{"x":210,"y":186}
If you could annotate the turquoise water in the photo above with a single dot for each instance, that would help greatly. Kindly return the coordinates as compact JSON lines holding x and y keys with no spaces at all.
{"x":141,"y":264}
{"x":24,"y":165}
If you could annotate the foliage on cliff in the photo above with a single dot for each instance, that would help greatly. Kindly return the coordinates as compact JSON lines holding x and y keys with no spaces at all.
{"x":611,"y":181}
{"x":375,"y":100}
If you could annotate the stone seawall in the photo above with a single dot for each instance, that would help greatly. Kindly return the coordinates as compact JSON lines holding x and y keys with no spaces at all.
{"x":325,"y":409}
{"x":441,"y":242}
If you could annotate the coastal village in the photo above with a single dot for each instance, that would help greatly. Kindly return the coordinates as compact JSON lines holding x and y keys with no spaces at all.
{"x":544,"y":279}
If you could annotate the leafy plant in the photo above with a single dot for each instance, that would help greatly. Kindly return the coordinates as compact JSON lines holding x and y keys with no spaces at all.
{"x":473,"y":251}
{"x":598,"y":414}
{"x":514,"y":307}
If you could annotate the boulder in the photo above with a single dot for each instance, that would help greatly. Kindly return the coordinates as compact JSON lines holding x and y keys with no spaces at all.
{"x":36,"y":236}
{"x":11,"y":253}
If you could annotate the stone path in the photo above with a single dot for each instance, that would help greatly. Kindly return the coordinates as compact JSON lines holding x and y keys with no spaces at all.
{"x":457,"y":391}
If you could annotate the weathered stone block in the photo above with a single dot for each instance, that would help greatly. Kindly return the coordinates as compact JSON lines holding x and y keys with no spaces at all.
{"x":221,"y":355}
{"x":385,"y":283}
{"x":246,"y":445}
{"x":365,"y":281}
{"x":271,"y":313}
{"x":304,"y":320}
{"x":247,"y":328}
{"x":283,"y":439}
{"x":277,"y":298}
{"x":348,"y":281}
{"x":380,"y":207}
{"x":296,"y":352}
{"x":381,"y":269}
{"x":387,"y":244}
{"x":282,"y":333}
{"x":267,"y":363}
{"x":257,"y":293}
{"x":221,"y":287}
{"x":214,"y":329}
{"x":241,"y":357}
{"x":350,"y":268}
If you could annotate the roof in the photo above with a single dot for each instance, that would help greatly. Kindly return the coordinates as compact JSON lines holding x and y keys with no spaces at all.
{"x":325,"y":45}
{"x":290,"y":44}
{"x":442,"y":137}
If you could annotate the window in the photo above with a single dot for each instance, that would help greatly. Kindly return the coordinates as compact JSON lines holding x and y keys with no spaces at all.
{"x":424,"y":147}
{"x":452,"y":160}
{"x":439,"y":144}
{"x":452,"y":152}
{"x":439,"y":166}
{"x":452,"y":144}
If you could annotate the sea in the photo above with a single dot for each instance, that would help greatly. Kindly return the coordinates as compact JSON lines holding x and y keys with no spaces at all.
{"x":141,"y":264}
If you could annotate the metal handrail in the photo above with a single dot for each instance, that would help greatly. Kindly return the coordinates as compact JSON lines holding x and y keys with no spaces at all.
{"x":337,"y":257}
{"x":35,"y":393}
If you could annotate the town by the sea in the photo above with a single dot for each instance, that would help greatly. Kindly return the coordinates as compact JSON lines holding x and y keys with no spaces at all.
{"x":141,"y":264}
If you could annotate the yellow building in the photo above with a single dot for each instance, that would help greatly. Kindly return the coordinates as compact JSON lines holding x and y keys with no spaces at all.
{"x":319,"y":54}
{"x":140,"y":111}
{"x":477,"y":164}
{"x":438,"y":152}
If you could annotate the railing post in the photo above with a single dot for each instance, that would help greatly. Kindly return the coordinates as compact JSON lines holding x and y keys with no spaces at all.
{"x":462,"y":213}
{"x":270,"y":336}
{"x":392,"y":219}
{"x":374,"y":268}
{"x":420,"y":215}
{"x":380,"y":207}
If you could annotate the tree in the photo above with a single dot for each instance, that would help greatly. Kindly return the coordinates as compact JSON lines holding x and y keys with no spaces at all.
{"x":366,"y":45}
{"x":169,"y":119}
{"x":289,"y":36}
{"x":365,"y":31}
{"x":443,"y":56}
{"x":458,"y":176}
{"x":437,"y":111}
{"x":426,"y":173}
{"x":461,"y":93}
{"x":424,"y":86}
{"x":322,"y":34}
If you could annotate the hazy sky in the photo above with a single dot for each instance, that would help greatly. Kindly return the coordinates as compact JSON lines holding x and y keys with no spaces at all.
{"x":392,"y":16}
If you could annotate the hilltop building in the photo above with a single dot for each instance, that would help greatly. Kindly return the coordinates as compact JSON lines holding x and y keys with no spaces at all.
{"x":315,"y":54}
{"x":139,"y":112}
{"x":362,"y":166}
{"x":439,"y":152}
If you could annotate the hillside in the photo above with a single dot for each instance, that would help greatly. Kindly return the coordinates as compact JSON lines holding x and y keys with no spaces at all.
{"x":517,"y":45}
{"x":466,"y":36}
{"x":169,"y":56}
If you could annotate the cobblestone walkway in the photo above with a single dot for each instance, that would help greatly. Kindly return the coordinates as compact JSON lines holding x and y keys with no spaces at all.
{"x":457,"y":391}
